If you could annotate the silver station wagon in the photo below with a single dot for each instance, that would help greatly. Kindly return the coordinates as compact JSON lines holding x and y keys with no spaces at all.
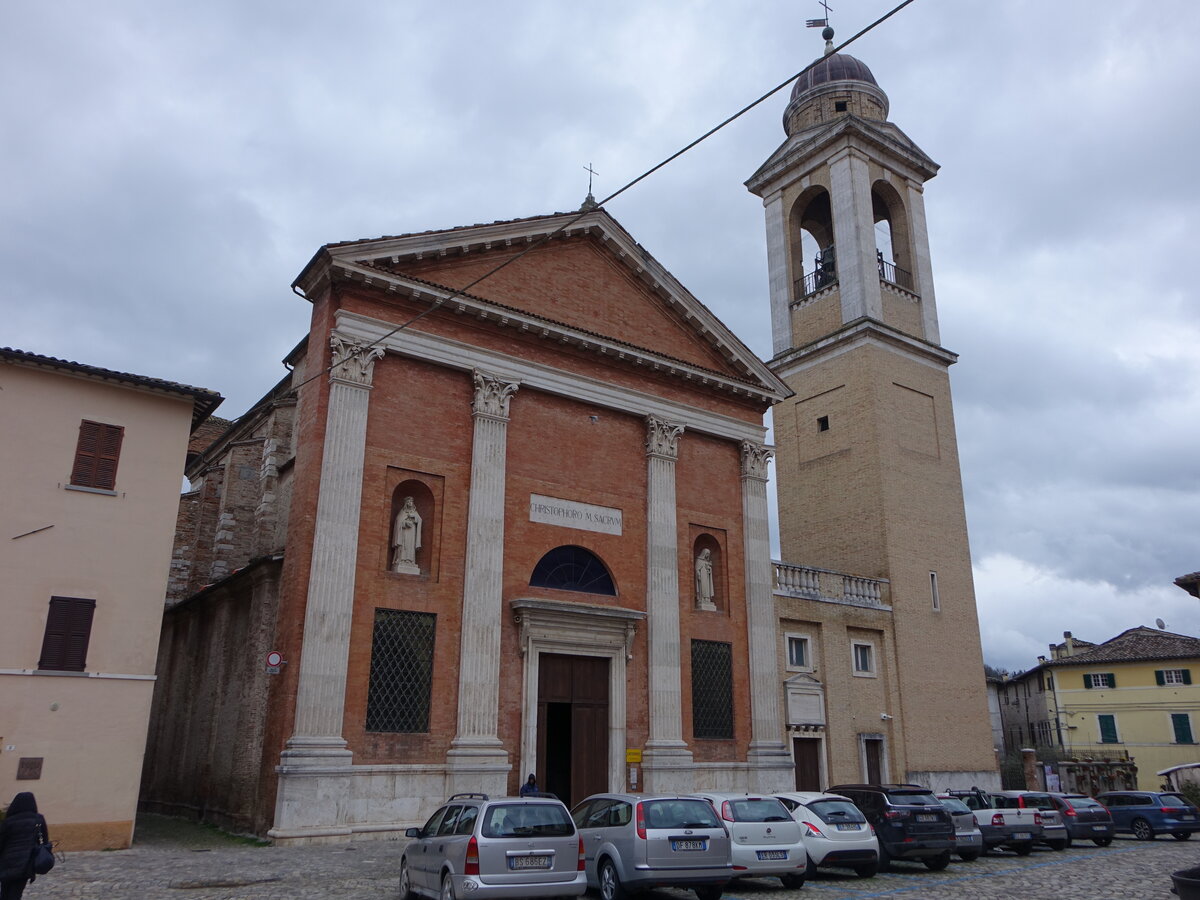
{"x":509,"y":847}
{"x":633,"y":842}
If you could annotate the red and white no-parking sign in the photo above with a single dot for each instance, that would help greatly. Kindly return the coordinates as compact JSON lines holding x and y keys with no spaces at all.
{"x":274,"y":661}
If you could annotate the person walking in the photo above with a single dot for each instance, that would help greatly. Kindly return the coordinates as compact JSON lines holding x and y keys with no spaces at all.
{"x":21,"y":830}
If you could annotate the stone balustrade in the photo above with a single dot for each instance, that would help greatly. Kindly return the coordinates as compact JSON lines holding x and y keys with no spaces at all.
{"x":814,"y":583}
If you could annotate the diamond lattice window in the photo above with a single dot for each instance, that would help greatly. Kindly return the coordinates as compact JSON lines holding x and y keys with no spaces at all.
{"x":712,"y":690}
{"x":401,"y":671}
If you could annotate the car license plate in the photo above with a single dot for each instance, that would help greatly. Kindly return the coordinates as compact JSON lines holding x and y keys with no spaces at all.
{"x":1099,"y":828}
{"x":772,"y":854}
{"x":688,"y":845}
{"x":843,"y":826}
{"x":529,"y":862}
{"x":1188,"y":818}
{"x":926,"y":818}
{"x":1022,"y":836}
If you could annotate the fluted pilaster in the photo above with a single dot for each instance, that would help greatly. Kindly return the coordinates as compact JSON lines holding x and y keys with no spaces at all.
{"x":662,"y":585}
{"x":766,"y":722}
{"x":321,"y":689}
{"x":479,"y":667}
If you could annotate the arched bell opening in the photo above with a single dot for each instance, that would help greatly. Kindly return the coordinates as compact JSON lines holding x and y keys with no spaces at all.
{"x":893,"y":245}
{"x":812,"y":253}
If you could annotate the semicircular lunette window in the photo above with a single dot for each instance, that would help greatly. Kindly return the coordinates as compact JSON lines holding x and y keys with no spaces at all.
{"x":571,"y":568}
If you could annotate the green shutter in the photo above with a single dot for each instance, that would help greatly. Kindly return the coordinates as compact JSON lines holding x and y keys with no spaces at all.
{"x":1182,"y":724}
{"x":1158,"y":677}
{"x":1087,"y":682}
{"x":1187,"y":676}
{"x":1108,"y":729}
{"x":1112,"y":679}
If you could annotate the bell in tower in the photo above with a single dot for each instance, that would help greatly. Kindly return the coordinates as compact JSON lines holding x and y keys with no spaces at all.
{"x":876,"y":574}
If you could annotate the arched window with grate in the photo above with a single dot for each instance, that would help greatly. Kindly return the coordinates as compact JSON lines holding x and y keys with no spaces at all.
{"x":570,"y":568}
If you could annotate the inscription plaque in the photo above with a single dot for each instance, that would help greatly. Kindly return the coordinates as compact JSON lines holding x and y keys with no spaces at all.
{"x":29,"y":768}
{"x":571,"y":514}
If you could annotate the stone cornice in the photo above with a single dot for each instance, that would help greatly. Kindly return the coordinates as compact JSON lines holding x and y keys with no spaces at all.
{"x":860,"y":333}
{"x":467,"y":357}
{"x":356,"y":262}
{"x":815,"y":146}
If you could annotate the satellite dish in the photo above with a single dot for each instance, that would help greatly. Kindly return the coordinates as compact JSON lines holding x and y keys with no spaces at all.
{"x":1161,"y":624}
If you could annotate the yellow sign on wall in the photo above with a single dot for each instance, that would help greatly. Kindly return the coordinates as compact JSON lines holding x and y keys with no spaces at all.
{"x":633,"y":756}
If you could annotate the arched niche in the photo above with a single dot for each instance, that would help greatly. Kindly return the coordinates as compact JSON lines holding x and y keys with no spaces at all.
{"x":714,"y":579}
{"x":893,"y":242}
{"x":811,"y":249}
{"x":573,"y":568}
{"x":410,"y":541}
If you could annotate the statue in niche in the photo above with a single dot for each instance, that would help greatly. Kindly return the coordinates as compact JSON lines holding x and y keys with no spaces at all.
{"x":704,"y":581}
{"x":406,"y":539}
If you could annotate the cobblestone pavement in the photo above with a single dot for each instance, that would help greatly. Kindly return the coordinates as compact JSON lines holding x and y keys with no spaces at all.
{"x":189,"y":863}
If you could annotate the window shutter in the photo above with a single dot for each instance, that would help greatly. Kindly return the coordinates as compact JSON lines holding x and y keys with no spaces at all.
{"x":1187,"y":676}
{"x":1182,"y":725}
{"x":1108,"y":729}
{"x":1087,"y":682}
{"x":96,"y":455}
{"x":1159,"y":678}
{"x":1112,"y":680}
{"x":68,"y":631}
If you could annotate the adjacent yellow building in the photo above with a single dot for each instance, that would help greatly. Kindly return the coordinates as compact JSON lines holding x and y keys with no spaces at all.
{"x":1137,"y":694}
{"x":91,"y":464}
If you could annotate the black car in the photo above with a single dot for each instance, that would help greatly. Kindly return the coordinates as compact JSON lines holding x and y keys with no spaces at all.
{"x":910,"y":822}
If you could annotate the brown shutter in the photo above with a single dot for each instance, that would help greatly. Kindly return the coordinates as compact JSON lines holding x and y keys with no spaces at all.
{"x":96,"y":455}
{"x":68,"y":630}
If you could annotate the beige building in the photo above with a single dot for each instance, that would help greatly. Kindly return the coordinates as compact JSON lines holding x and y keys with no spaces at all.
{"x":879,"y":637}
{"x":91,"y":463}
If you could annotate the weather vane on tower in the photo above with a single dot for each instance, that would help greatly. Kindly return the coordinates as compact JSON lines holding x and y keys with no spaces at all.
{"x":820,"y":23}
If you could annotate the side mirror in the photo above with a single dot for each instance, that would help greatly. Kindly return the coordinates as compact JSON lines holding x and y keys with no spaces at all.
{"x":412,"y":832}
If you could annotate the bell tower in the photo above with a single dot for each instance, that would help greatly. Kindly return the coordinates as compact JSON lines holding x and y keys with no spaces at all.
{"x":867,"y":467}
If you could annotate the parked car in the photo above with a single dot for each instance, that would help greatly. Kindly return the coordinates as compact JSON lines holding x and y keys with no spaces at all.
{"x":634,"y":842}
{"x":1086,"y":818}
{"x":512,"y":847}
{"x":1147,"y":814}
{"x":968,"y":839}
{"x":1012,"y":829}
{"x":764,"y":838}
{"x":835,"y":832}
{"x":910,"y":823}
{"x":1054,"y":832}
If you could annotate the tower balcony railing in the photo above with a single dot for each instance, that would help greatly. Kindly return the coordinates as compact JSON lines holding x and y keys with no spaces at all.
{"x":814,"y":583}
{"x":893,"y":274}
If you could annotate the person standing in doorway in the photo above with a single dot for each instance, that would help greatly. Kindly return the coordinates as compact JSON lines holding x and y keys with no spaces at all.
{"x":23,"y":829}
{"x":530,"y":786}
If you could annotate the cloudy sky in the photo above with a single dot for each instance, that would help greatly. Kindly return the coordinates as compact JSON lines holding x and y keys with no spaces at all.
{"x":169,"y":167}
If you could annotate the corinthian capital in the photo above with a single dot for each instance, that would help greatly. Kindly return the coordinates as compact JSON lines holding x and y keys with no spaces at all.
{"x":662,"y":438}
{"x":353,"y":362}
{"x":754,"y":460}
{"x":491,"y":396}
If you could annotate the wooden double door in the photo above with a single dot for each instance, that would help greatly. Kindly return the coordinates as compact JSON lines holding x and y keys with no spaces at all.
{"x":572,"y":726}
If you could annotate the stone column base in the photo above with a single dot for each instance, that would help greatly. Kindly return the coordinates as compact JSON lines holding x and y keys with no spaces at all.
{"x":480,"y":767}
{"x":771,"y":768}
{"x":668,"y":769}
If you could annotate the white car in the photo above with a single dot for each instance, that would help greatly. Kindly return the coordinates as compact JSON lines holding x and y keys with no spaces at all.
{"x":765,"y":841}
{"x":835,"y":832}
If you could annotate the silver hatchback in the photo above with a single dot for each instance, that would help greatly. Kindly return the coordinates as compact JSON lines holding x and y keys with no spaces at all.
{"x":509,"y":847}
{"x":634,"y":842}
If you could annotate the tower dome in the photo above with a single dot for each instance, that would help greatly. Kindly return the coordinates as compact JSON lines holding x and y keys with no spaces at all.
{"x":835,"y":85}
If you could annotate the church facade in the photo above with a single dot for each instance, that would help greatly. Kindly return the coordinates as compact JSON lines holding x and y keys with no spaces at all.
{"x":493,"y":530}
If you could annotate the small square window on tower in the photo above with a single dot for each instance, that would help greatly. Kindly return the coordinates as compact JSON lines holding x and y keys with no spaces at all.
{"x":822,"y":423}
{"x":840,"y":106}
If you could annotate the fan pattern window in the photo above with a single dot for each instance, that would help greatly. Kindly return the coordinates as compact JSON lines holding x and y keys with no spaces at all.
{"x":571,"y":568}
{"x":401,"y":685}
{"x":712,"y":690}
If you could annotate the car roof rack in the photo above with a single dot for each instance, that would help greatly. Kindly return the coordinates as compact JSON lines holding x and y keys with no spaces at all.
{"x":469,"y":797}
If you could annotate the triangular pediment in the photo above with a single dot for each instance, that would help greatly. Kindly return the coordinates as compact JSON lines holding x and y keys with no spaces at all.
{"x":583,"y":275}
{"x":813,"y":145}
